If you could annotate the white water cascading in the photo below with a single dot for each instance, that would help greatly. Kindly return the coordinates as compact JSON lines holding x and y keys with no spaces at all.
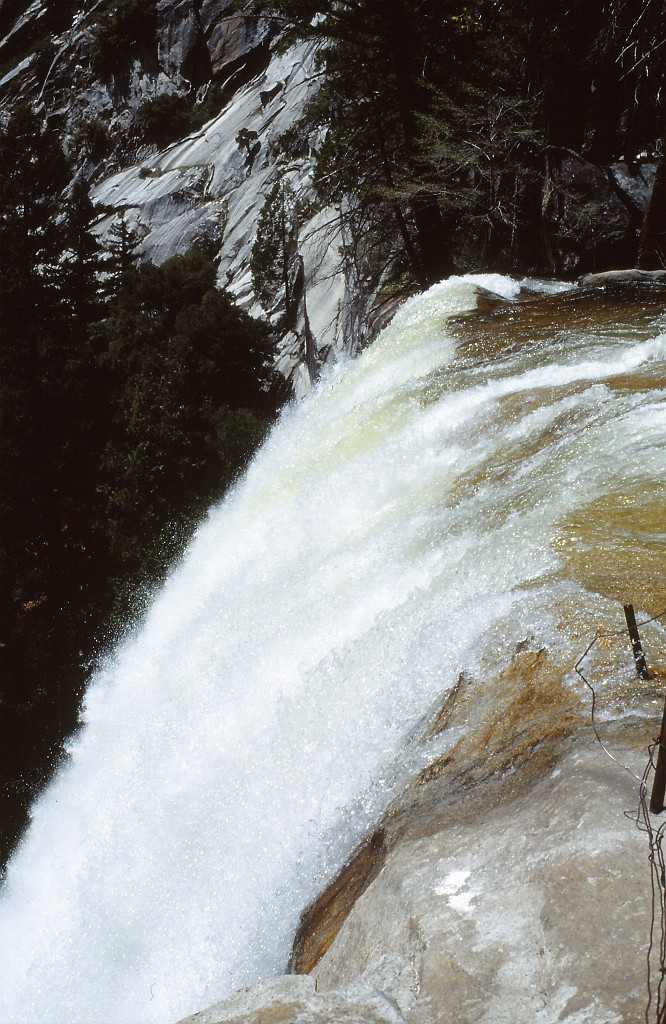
{"x":394,"y":528}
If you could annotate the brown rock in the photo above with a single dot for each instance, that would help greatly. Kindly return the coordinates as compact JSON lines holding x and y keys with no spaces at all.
{"x":323,"y":919}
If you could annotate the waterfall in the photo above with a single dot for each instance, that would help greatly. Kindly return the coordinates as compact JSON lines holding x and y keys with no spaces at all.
{"x":434,"y":501}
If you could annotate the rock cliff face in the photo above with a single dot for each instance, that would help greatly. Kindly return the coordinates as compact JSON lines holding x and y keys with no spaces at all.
{"x":244,"y":92}
{"x":591,"y":214}
{"x":507,"y":883}
{"x":212,"y":184}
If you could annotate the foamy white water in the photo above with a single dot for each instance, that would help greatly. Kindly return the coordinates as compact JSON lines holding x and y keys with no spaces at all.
{"x":392,"y":529}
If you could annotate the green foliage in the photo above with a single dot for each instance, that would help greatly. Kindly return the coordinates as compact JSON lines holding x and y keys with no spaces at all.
{"x":82,"y":263}
{"x":92,"y":138}
{"x":211,"y":104}
{"x":49,"y":405}
{"x":122,"y":254}
{"x":379,"y":110}
{"x":183,"y":363}
{"x":170,"y":116}
{"x":481,"y":155}
{"x":275,"y":247}
{"x":33,"y":173}
{"x":436,"y":116}
{"x":121,"y":31}
{"x":166,"y":118}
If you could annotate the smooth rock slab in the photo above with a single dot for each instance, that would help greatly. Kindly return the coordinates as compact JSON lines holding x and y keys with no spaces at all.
{"x":528,"y":910}
{"x":295,"y":998}
{"x":624,"y":279}
{"x":535,"y":910}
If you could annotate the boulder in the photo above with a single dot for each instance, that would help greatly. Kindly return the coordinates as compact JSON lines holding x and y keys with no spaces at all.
{"x":294,"y":997}
{"x":634,"y":182}
{"x":525,"y":900}
{"x":626,"y":283}
{"x":533,"y":908}
{"x":586,"y":225}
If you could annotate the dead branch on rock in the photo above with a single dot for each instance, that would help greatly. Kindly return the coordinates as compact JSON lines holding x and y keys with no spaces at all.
{"x":655,"y":1010}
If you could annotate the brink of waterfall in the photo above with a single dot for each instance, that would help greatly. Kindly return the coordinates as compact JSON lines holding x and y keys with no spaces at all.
{"x":449,"y":517}
{"x":333,"y":445}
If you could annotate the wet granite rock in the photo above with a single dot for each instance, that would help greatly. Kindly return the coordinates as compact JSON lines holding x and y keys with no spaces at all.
{"x":518,"y":910}
{"x":295,"y":997}
{"x":634,"y":182}
{"x":533,"y":908}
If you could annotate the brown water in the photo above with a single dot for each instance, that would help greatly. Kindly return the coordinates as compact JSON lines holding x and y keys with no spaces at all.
{"x":615,"y":544}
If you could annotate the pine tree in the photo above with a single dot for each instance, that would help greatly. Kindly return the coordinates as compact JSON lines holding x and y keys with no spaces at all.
{"x":443,"y":120}
{"x":191,"y":384}
{"x":80,"y":277}
{"x":122,"y":254}
{"x":275,"y":248}
{"x":33,"y":174}
{"x":386,"y":67}
{"x":122,"y":30}
{"x":45,"y":461}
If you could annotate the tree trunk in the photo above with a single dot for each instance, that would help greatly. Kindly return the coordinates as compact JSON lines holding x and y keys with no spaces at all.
{"x":434,"y":237}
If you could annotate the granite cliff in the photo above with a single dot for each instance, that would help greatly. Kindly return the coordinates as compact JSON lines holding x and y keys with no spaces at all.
{"x":230,"y":90}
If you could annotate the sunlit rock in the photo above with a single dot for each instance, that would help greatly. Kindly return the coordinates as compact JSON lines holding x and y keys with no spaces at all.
{"x":530,"y":907}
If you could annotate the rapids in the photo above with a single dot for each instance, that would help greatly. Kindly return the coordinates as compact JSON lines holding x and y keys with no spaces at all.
{"x":467,"y":482}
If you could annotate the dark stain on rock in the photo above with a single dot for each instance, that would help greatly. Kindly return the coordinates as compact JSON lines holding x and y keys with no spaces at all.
{"x":323,"y":919}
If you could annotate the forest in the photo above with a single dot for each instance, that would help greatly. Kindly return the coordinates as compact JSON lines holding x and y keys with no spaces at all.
{"x":470,"y":133}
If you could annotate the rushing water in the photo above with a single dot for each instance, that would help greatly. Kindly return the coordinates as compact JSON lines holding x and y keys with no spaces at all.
{"x":464,"y":483}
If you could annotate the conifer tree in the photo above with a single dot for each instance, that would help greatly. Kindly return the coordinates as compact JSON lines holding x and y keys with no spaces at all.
{"x":442,"y":119}
{"x":275,"y":248}
{"x":191,"y":393}
{"x":43,"y":550}
{"x":122,"y":254}
{"x":83,"y":259}
{"x":384,"y":66}
{"x":122,"y":30}
{"x":33,"y":173}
